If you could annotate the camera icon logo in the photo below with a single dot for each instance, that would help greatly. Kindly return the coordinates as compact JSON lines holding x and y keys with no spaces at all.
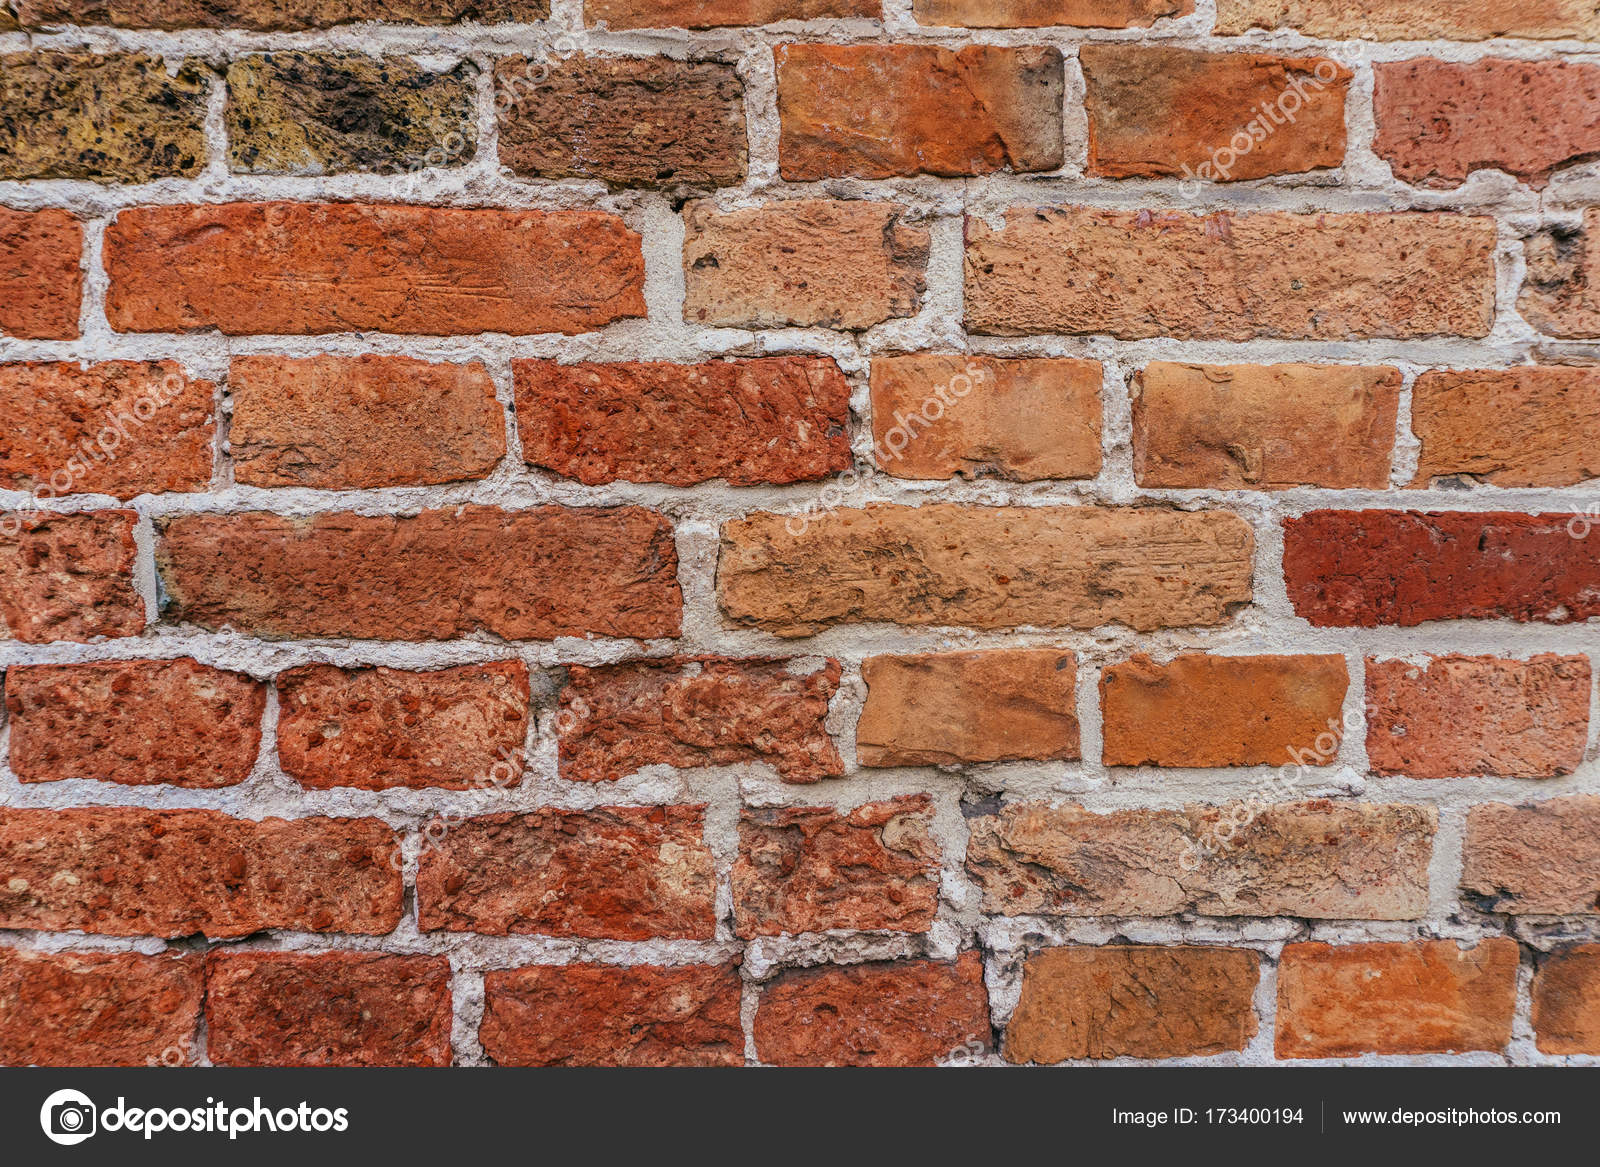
{"x":68,"y":1117}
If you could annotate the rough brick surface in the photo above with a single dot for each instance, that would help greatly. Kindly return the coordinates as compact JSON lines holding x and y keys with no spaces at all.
{"x":1561,"y":294}
{"x":275,"y":15}
{"x":69,"y":577}
{"x":1418,"y":998}
{"x":461,"y":728}
{"x":1133,"y":1001}
{"x":1046,"y":13}
{"x":770,"y":419}
{"x":717,"y":13}
{"x":604,"y":1015}
{"x":1566,"y":1001}
{"x":901,"y":1013}
{"x":1393,"y":20}
{"x":1529,"y":426}
{"x":41,"y":280}
{"x":1541,"y":858}
{"x":139,"y":722}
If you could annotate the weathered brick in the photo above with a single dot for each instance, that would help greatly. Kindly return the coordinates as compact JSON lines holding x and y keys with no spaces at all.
{"x":521,"y":575}
{"x":1217,"y":117}
{"x":1202,"y":710}
{"x":1263,"y":427}
{"x":115,"y":118}
{"x":605,"y":1015}
{"x":125,"y":871}
{"x":460,"y":728}
{"x":69,"y":577}
{"x":309,"y":268}
{"x":893,"y":1013}
{"x":617,"y":873}
{"x":768,"y":419}
{"x":1566,"y":1001}
{"x":1322,"y":860}
{"x":803,"y":262}
{"x":1459,"y":716}
{"x":704,"y":711}
{"x":1540,"y":858}
{"x":275,"y":15}
{"x":790,"y":876}
{"x":98,"y":1008}
{"x":1370,"y":568}
{"x":1137,"y":274}
{"x":1133,"y":1001}
{"x":331,"y":1009}
{"x":880,"y":111}
{"x":1424,"y":997}
{"x":1528,"y":426}
{"x":139,"y":722}
{"x":985,"y":567}
{"x":1561,"y":291}
{"x":719,"y":13}
{"x":1048,"y":13}
{"x":122,"y":428}
{"x":1438,"y":121}
{"x":629,"y":121}
{"x":1400,"y":20}
{"x":944,"y":709}
{"x":346,"y":423}
{"x":329,"y":113}
{"x":1024,"y":420}
{"x":41,"y":277}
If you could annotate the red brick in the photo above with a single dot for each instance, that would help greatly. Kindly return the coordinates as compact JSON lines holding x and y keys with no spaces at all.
{"x":98,"y":1008}
{"x":1138,"y":274}
{"x":1024,"y":420}
{"x":771,"y":419}
{"x":1425,"y":997}
{"x":1370,"y":568}
{"x":1128,"y":1001}
{"x":616,"y":873}
{"x":816,"y":868}
{"x":1047,"y":13}
{"x":1459,"y":716}
{"x":125,"y":871}
{"x":943,"y":709}
{"x":523,"y":575}
{"x":694,"y":712}
{"x":334,"y":1009}
{"x":140,"y":722}
{"x":605,"y":1015}
{"x":459,"y":729}
{"x":1566,"y":1001}
{"x":1561,"y":291}
{"x":1404,"y":20}
{"x":41,"y":280}
{"x":719,"y":13}
{"x":1540,"y":858}
{"x":1200,"y":710}
{"x":881,"y":111}
{"x":346,"y":423}
{"x":899,"y":1013}
{"x":1217,"y":117}
{"x":275,"y":15}
{"x":1527,"y":426}
{"x":307,"y":268}
{"x":69,"y":577}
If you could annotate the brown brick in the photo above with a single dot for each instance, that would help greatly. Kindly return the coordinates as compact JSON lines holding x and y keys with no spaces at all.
{"x":881,"y":111}
{"x":803,"y":262}
{"x":694,"y":712}
{"x":605,"y":1015}
{"x":1540,"y":858}
{"x":460,"y":729}
{"x":521,"y":575}
{"x":944,"y":709}
{"x":1024,"y":420}
{"x":347,"y":423}
{"x":1230,"y":277}
{"x":332,"y":1009}
{"x":139,"y":722}
{"x":790,"y":874}
{"x":1424,"y":997}
{"x":276,"y":15}
{"x":1131,"y":1001}
{"x":1401,"y":20}
{"x":1263,"y":427}
{"x":1566,"y":1001}
{"x":1527,"y":426}
{"x":1321,"y":860}
{"x":98,"y":1008}
{"x":69,"y":577}
{"x":1048,"y":13}
{"x":125,"y":871}
{"x":894,"y":1013}
{"x":629,"y":121}
{"x":769,"y":419}
{"x":985,"y":567}
{"x":1217,"y":117}
{"x":720,"y":13}
{"x":308,"y":268}
{"x":616,"y":873}
{"x":41,"y":278}
{"x":1459,"y":716}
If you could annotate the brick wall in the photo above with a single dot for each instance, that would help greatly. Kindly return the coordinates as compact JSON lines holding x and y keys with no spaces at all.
{"x":952,"y":531}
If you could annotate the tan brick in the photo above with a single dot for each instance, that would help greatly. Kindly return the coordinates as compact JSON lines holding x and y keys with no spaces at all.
{"x":1540,"y":858}
{"x":1394,"y":20}
{"x":1566,"y":1001}
{"x":1527,"y":426}
{"x":1047,"y":13}
{"x":275,"y":15}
